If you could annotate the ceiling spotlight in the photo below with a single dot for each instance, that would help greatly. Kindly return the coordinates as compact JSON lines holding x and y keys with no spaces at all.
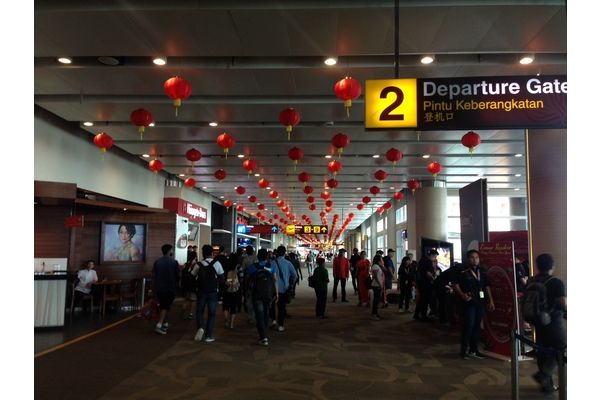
{"x":427,"y":59}
{"x":517,"y":189}
{"x":392,"y":188}
{"x":160,"y":60}
{"x":65,"y":60}
{"x":518,"y":155}
{"x":426,"y":156}
{"x":88,"y":123}
{"x":256,"y":175}
{"x":358,"y":188}
{"x":181,"y":174}
{"x":328,"y":156}
{"x":152,"y":124}
{"x":375,"y":155}
{"x":213,"y":123}
{"x":145,"y":155}
{"x":204,"y":187}
{"x":527,"y":59}
{"x":518,"y":175}
{"x":268,"y":187}
{"x":241,"y":156}
{"x":330,"y":61}
{"x":222,"y":197}
{"x":124,"y":209}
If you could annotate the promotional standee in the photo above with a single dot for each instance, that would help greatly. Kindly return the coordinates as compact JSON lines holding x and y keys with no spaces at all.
{"x":189,"y":216}
{"x":498,"y":259}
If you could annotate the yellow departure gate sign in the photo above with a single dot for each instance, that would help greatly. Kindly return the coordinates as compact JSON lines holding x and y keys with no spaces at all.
{"x":317,"y":229}
{"x":290,"y":229}
{"x":391,"y":103}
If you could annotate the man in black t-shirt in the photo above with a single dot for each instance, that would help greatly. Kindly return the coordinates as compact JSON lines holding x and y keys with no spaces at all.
{"x":166,"y":276}
{"x":553,"y":335}
{"x":474,"y":289}
{"x":353,"y":261}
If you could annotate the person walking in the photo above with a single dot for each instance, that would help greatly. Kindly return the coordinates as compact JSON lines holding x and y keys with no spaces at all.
{"x":262,"y":283}
{"x":341,"y":271}
{"x":166,"y":276}
{"x":363,"y":266}
{"x":286,"y":276}
{"x":405,"y":283}
{"x":354,"y":259}
{"x":209,"y":272}
{"x":425,"y":276}
{"x":389,"y":270}
{"x":321,"y":279}
{"x":377,"y":285}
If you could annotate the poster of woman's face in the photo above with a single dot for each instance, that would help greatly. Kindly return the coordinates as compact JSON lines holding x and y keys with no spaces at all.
{"x":123,"y":243}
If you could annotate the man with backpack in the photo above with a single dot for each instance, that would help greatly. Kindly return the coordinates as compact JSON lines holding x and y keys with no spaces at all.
{"x":544,"y":305}
{"x":262,"y":284}
{"x":474,"y":289}
{"x":208,"y":273}
{"x":286,"y":277}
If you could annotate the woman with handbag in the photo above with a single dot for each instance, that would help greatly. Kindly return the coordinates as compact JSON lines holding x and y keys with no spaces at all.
{"x":320,"y":279}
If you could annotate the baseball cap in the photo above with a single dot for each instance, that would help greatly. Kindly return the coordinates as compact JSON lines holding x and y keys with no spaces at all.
{"x":433,"y":251}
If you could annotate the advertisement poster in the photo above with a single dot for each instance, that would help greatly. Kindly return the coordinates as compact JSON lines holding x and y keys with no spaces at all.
{"x":497,"y":258}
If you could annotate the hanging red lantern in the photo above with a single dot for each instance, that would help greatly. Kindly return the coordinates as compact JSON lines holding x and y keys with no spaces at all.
{"x":310,"y":199}
{"x":350,"y":216}
{"x":434,"y":168}
{"x":261,"y":206}
{"x":141,"y":118}
{"x":193,"y":155}
{"x":104,"y":141}
{"x":387,"y":205}
{"x":413,"y":185}
{"x":225,"y":141}
{"x":289,"y":118}
{"x":308,"y":189}
{"x":249,"y":165}
{"x":322,"y":214}
{"x":360,"y":206}
{"x":380,"y":175}
{"x":334,"y":166}
{"x":398,"y":195}
{"x":380,"y":210}
{"x":252,"y":198}
{"x":332,"y":183}
{"x":295,"y":154}
{"x":471,"y":140}
{"x":263,"y":183}
{"x":286,"y":210}
{"x":327,"y":209}
{"x":240,"y":208}
{"x":177,"y":89}
{"x":339,"y":141}
{"x":304,"y":177}
{"x":325,"y":195}
{"x":228,"y":203}
{"x":280,"y":203}
{"x":190,"y":182}
{"x":155,"y":165}
{"x":240,"y":190}
{"x":220,"y":174}
{"x":374,"y":190}
{"x":394,"y":155}
{"x":312,"y":207}
{"x":366,"y":199}
{"x":273,"y":194}
{"x":348,"y":89}
{"x":328,"y":203}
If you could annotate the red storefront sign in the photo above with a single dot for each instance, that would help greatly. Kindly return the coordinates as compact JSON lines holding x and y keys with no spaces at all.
{"x":186,"y":209}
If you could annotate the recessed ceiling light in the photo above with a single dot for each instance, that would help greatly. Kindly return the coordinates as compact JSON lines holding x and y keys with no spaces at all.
{"x":181,"y":174}
{"x":204,"y":187}
{"x":426,"y":156}
{"x":241,"y":156}
{"x":222,"y":197}
{"x":152,"y":124}
{"x":88,"y":123}
{"x":268,"y":187}
{"x":527,"y":59}
{"x":65,"y":60}
{"x":375,"y":155}
{"x":328,"y":156}
{"x":358,"y":188}
{"x":428,"y":59}
{"x":517,"y":189}
{"x":256,"y":174}
{"x":145,"y":155}
{"x":213,"y":123}
{"x":517,"y":175}
{"x":124,"y":209}
{"x":392,"y":188}
{"x":160,"y":60}
{"x":518,"y":155}
{"x":109,"y":60}
{"x":330,"y":61}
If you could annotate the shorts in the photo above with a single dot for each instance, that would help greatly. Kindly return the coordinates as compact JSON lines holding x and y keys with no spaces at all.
{"x":165,"y":299}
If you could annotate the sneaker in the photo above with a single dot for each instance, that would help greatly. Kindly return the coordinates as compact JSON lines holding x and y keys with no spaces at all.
{"x":199,"y":334}
{"x":264,"y":342}
{"x":375,"y":317}
{"x":273,"y":325}
{"x":476,"y":354}
{"x":160,"y":330}
{"x":465,"y":356}
{"x":190,"y":316}
{"x":165,"y":326}
{"x":281,"y":328}
{"x":209,"y":339}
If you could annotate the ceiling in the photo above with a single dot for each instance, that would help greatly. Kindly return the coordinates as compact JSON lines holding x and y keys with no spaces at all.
{"x":248,"y":60}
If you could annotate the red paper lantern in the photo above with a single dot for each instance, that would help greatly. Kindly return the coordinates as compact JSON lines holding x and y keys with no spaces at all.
{"x":380,"y":175}
{"x":263,"y":183}
{"x":240,"y":190}
{"x":252,"y":198}
{"x":434,"y":168}
{"x":325,"y":195}
{"x":225,"y":141}
{"x":228,"y":203}
{"x":471,"y":140}
{"x":413,"y":185}
{"x":249,"y":165}
{"x":190,"y":182}
{"x":327,"y":209}
{"x":339,"y":141}
{"x":295,"y":154}
{"x":240,"y":208}
{"x":328,"y":203}
{"x":322,"y":214}
{"x":155,"y":165}
{"x":348,"y":89}
{"x":360,"y":206}
{"x":280,"y":203}
{"x":304,"y":177}
{"x":310,"y":199}
{"x":312,"y":207}
{"x":261,"y":206}
{"x":193,"y":155}
{"x":220,"y":174}
{"x":387,"y":205}
{"x":308,"y":189}
{"x":394,"y":155}
{"x":380,"y":210}
{"x":398,"y":195}
{"x":104,"y":141}
{"x":289,"y":118}
{"x":273,"y":194}
{"x":177,"y":89}
{"x":141,"y":118}
{"x":285,"y":209}
{"x":331,"y":183}
{"x":366,"y":199}
{"x":350,"y":216}
{"x":334,"y":166}
{"x":374,"y":190}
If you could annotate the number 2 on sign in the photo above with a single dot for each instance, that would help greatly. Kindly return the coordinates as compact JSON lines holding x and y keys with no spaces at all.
{"x":386,"y":114}
{"x":391,"y":103}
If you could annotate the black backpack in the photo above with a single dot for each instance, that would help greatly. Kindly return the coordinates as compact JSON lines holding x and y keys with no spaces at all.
{"x":535,"y":307}
{"x":262,"y":284}
{"x":207,"y":281}
{"x":188,"y":281}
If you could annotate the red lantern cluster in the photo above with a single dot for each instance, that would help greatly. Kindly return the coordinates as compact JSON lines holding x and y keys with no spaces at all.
{"x":141,"y":118}
{"x":177,"y":89}
{"x":360,"y":206}
{"x":273,"y":194}
{"x":289,"y":118}
{"x":308,"y":189}
{"x":347,"y":89}
{"x":366,"y":199}
{"x":252,"y":198}
{"x":226,"y":142}
{"x":398,"y":195}
{"x":193,"y":155}
{"x":471,"y":140}
{"x":263,"y":183}
{"x":339,"y":141}
{"x":104,"y":141}
{"x":227,"y":203}
{"x":325,"y":195}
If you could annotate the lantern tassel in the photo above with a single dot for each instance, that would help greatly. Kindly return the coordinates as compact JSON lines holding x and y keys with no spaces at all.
{"x":340,"y":150}
{"x":471,"y":149}
{"x":177,"y":104}
{"x":418,"y":135}
{"x":226,"y":150}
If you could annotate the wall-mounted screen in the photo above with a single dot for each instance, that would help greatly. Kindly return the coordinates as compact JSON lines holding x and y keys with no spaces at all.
{"x":445,"y":250}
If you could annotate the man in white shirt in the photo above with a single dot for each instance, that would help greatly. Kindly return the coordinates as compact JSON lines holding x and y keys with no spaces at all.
{"x":85,"y":278}
{"x":209,"y":272}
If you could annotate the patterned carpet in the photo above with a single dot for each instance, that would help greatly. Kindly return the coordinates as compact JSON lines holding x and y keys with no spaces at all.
{"x":347,"y":356}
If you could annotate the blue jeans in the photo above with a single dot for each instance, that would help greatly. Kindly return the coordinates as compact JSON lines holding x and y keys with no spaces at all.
{"x":261,"y":311}
{"x":471,"y":326}
{"x":203,"y":300}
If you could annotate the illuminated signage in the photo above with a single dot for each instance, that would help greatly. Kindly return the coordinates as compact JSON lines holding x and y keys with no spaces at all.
{"x":254,"y":229}
{"x":391,"y":103}
{"x":316,"y":229}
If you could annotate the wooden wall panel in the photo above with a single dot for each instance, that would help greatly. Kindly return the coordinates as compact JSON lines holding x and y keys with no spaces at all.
{"x":50,"y":237}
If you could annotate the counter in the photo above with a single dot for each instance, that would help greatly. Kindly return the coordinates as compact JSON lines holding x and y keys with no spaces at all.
{"x":50,"y":290}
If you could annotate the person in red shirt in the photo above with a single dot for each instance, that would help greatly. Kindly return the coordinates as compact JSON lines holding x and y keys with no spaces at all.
{"x":341,"y":271}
